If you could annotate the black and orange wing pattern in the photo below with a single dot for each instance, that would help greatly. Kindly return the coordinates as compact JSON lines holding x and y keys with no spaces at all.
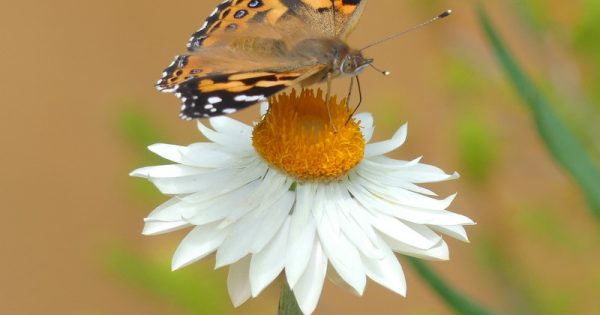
{"x":240,"y":55}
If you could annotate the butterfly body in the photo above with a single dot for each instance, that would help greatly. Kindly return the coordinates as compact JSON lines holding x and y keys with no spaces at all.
{"x":249,"y":50}
{"x":338,"y":57}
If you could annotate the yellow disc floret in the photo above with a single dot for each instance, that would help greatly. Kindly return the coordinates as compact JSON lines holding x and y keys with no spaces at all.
{"x":299,"y":137}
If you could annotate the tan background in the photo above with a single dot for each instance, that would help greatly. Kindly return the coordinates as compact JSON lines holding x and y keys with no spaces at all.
{"x":71,"y":69}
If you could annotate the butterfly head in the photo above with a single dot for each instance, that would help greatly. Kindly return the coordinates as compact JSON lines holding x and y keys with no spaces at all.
{"x":354,"y":63}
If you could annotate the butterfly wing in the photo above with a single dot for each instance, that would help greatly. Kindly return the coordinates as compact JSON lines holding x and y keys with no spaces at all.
{"x":241,"y":53}
{"x":230,"y":20}
{"x":335,"y":18}
{"x":223,"y":94}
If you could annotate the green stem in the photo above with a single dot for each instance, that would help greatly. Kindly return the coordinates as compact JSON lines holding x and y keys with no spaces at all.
{"x":562,"y":143}
{"x":287,"y":302}
{"x":461,"y":304}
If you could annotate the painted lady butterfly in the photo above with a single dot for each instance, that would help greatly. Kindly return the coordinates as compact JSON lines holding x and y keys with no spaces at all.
{"x":248,"y":50}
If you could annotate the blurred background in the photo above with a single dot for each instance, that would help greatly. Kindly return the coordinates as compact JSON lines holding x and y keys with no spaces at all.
{"x":79,"y":109}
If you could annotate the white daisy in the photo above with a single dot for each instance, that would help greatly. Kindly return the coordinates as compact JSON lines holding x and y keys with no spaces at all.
{"x":293,"y":195}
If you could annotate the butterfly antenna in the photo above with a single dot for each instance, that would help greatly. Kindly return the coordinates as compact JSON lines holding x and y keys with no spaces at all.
{"x":443,"y":15}
{"x":384,"y":72}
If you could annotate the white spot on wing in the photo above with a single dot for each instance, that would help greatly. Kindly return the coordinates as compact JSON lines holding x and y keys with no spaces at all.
{"x":246,"y":98}
{"x":229,"y":110}
{"x":203,"y":26}
{"x":215,"y":100}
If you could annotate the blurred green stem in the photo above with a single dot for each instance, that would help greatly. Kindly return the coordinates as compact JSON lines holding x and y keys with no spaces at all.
{"x":563,"y":145}
{"x":287,"y":302}
{"x":459,"y":303}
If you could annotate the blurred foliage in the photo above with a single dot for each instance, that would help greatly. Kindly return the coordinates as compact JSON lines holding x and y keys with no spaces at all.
{"x":586,"y":41}
{"x":564,"y":146}
{"x":544,"y":225}
{"x":535,"y":12}
{"x":458,"y":302}
{"x":462,"y":78}
{"x":139,"y":131}
{"x":194,"y":290}
{"x":477,"y":149}
{"x":288,"y":305}
{"x":528,"y":291}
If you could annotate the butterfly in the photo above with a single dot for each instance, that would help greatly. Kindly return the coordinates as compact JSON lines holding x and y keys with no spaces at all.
{"x":249,"y":50}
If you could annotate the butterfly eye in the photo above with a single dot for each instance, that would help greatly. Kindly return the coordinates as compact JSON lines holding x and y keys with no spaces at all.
{"x":348,"y":65}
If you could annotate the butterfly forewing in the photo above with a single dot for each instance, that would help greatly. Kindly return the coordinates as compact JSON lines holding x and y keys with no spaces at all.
{"x":244,"y":52}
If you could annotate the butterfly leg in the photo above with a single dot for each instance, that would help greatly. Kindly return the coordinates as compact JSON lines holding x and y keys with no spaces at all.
{"x":360,"y":99}
{"x":349,"y":93}
{"x":328,"y":100}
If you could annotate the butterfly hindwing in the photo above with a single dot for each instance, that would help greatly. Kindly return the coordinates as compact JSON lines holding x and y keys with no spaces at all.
{"x":227,"y":93}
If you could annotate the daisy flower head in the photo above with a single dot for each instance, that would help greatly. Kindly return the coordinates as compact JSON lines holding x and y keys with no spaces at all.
{"x":300,"y":191}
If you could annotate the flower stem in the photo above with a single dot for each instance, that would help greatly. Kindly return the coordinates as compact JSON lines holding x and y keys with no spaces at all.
{"x":287,"y":302}
{"x":460,"y":303}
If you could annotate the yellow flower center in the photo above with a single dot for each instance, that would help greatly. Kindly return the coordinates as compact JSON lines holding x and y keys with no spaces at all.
{"x":298,"y":137}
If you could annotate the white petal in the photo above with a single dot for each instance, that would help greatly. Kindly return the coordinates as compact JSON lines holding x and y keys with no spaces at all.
{"x":386,"y":271}
{"x":439,"y":252}
{"x":458,"y":232}
{"x":156,"y":228}
{"x":381,"y":148}
{"x":238,"y":282}
{"x":410,"y":171}
{"x":219,"y":208}
{"x":309,"y":287}
{"x":412,"y":212}
{"x":366,"y":119}
{"x":302,"y":233}
{"x":264,"y":108}
{"x":341,"y":253}
{"x":167,"y":151}
{"x":384,"y":177}
{"x":213,"y":155}
{"x":338,"y":281}
{"x":162,"y":212}
{"x":366,"y":125}
{"x":231,"y":127}
{"x":351,"y":228}
{"x":225,"y":139}
{"x":199,"y":243}
{"x":389,"y":164}
{"x":244,"y":233}
{"x":202,"y":154}
{"x":413,"y":235}
{"x":398,"y":195}
{"x":269,"y":263}
{"x":167,"y":171}
{"x":270,"y":190}
{"x":271,"y":222}
{"x":244,"y":177}
{"x":213,"y":181}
